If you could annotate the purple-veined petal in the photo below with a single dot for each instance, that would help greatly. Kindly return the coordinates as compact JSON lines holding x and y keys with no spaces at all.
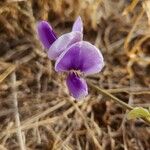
{"x":77,"y":86}
{"x":62,"y":43}
{"x":78,"y":25}
{"x":46,"y":34}
{"x":81,"y":56}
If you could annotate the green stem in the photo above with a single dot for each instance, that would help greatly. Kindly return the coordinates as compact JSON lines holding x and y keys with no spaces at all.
{"x":117,"y":100}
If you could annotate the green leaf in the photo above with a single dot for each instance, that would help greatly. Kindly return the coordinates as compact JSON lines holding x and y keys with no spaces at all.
{"x":138,"y":112}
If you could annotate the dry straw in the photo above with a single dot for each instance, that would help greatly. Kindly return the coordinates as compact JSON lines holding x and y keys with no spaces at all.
{"x":45,"y":116}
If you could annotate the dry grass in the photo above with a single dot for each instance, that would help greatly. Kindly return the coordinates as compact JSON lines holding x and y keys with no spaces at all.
{"x":36,"y":110}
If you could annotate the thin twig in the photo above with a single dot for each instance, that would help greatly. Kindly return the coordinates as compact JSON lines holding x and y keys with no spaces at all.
{"x":10,"y":69}
{"x":117,"y":100}
{"x":104,"y":92}
{"x":17,"y":119}
{"x":91,"y":133}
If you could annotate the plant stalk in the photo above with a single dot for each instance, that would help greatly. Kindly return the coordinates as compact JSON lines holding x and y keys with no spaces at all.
{"x":115,"y":99}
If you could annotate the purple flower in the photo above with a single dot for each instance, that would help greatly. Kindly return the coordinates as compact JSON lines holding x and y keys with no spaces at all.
{"x":62,"y":43}
{"x":79,"y":60}
{"x":46,"y":34}
{"x":73,"y":56}
{"x":55,"y":46}
{"x":78,"y":25}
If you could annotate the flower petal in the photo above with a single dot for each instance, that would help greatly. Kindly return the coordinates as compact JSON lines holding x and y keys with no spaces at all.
{"x":78,"y":25}
{"x":81,"y":56}
{"x":46,"y":34}
{"x":62,"y":43}
{"x":77,"y":86}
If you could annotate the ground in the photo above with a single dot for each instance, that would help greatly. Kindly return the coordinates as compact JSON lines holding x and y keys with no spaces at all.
{"x":36,"y":109}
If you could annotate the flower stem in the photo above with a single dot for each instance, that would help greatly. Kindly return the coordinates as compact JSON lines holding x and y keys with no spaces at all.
{"x":117,"y":100}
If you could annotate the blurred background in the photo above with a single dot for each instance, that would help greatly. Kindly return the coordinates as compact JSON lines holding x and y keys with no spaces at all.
{"x":36,"y":109}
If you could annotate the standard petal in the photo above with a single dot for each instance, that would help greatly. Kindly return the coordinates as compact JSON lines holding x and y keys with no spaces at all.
{"x":62,"y":43}
{"x":46,"y":34}
{"x":78,"y":25}
{"x":77,"y":86}
{"x":81,"y":56}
